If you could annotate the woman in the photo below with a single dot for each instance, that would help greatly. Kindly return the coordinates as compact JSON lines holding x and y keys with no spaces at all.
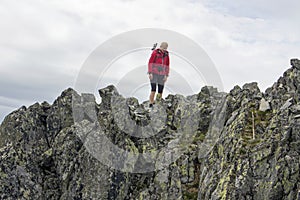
{"x":158,"y":70}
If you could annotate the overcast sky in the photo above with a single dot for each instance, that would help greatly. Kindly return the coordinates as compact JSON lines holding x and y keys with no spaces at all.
{"x":43,"y":44}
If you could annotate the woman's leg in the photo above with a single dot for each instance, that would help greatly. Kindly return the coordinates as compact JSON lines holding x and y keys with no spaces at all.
{"x":160,"y":82}
{"x":160,"y":88}
{"x":152,"y":94}
{"x":160,"y":91}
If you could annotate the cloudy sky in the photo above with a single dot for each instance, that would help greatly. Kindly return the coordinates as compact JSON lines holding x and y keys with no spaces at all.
{"x":43,"y":45}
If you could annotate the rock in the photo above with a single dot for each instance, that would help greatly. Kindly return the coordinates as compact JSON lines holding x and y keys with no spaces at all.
{"x":295,"y":63}
{"x":295,"y":109}
{"x":235,"y":91}
{"x":241,"y":145}
{"x":287,"y":104}
{"x":297,"y":116}
{"x":264,"y":105}
{"x":253,"y":87}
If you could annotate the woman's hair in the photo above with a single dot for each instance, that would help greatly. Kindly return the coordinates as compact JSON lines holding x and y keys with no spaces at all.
{"x":164,"y":45}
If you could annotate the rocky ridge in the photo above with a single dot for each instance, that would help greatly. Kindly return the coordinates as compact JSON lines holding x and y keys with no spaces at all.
{"x":246,"y":145}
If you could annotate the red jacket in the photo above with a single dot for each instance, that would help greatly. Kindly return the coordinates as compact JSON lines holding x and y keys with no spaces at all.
{"x":159,"y":62}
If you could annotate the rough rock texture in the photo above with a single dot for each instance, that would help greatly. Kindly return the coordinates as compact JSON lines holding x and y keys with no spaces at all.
{"x":246,"y":145}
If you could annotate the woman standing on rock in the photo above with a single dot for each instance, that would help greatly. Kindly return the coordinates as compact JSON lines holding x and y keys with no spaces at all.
{"x":158,"y":70}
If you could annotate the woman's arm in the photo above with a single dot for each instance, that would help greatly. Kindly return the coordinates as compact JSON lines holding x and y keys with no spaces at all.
{"x":151,"y":61}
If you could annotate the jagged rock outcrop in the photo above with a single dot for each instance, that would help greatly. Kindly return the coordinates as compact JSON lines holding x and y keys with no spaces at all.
{"x":257,"y":155}
{"x":244,"y":145}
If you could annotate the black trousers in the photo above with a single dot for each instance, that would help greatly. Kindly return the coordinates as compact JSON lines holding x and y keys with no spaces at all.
{"x":157,"y":81}
{"x":160,"y":87}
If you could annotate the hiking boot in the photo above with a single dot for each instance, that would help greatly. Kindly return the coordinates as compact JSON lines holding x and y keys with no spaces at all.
{"x":150,"y":108}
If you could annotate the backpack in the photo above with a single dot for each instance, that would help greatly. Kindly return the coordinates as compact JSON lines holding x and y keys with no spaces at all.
{"x":154,"y":48}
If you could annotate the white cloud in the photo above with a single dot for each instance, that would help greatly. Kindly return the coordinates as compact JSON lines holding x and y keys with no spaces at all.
{"x":43,"y":45}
